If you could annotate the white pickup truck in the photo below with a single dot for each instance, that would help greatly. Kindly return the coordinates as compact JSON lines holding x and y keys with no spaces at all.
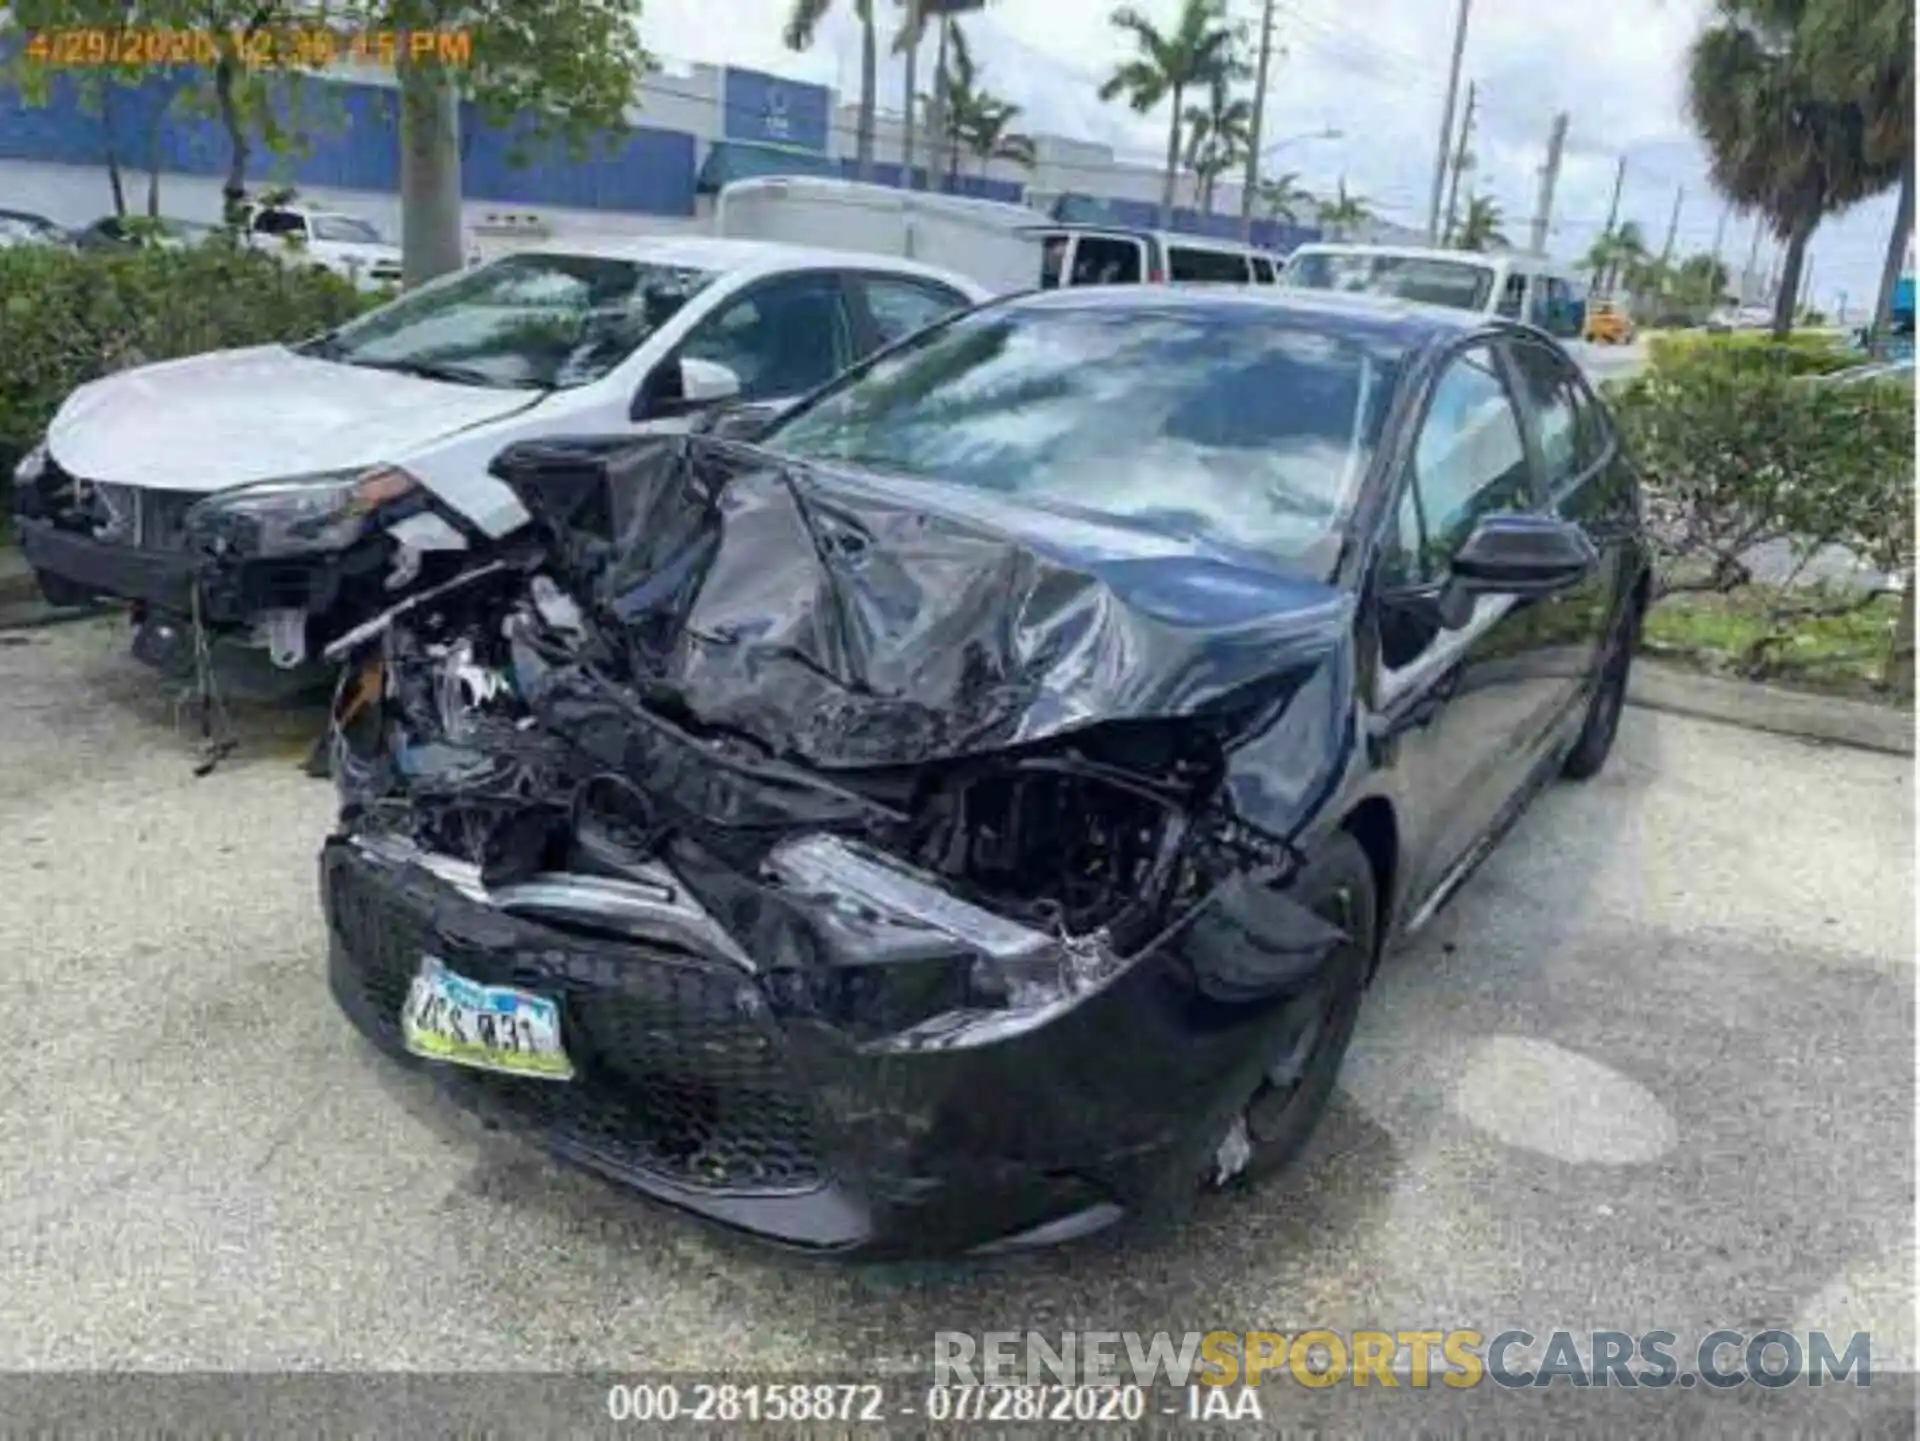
{"x":344,"y":244}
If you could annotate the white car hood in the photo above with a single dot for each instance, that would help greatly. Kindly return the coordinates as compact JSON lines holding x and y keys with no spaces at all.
{"x":213,"y":421}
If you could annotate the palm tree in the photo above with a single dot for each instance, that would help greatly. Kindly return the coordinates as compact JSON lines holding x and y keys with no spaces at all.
{"x":1218,"y":134}
{"x":990,"y":135}
{"x":906,"y":41}
{"x":1775,"y":143}
{"x":1343,"y":212}
{"x":802,"y":23}
{"x":951,"y":118}
{"x":1284,"y":198}
{"x":1862,"y":50}
{"x":1615,"y":256}
{"x":1200,"y":46}
{"x":1480,"y":226}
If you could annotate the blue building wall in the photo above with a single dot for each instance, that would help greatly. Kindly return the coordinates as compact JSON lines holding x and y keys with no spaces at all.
{"x":353,"y":144}
{"x":763,"y":107}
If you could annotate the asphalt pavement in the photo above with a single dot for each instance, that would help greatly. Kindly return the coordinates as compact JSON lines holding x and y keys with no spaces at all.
{"x":1653,"y":1068}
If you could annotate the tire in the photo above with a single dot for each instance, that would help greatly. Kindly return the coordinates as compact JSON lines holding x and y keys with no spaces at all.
{"x":1590,"y":751}
{"x":1337,"y":884}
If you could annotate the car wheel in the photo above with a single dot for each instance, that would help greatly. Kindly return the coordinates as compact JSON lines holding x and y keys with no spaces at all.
{"x":1337,"y":885}
{"x":1590,"y":751}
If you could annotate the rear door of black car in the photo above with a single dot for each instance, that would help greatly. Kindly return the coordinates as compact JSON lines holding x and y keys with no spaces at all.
{"x":1587,"y":481}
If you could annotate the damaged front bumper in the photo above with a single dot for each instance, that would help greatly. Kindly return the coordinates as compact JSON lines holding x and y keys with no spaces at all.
{"x":750,"y":1096}
{"x":177,"y":562}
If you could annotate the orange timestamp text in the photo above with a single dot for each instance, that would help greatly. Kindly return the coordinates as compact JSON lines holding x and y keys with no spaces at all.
{"x":314,"y":47}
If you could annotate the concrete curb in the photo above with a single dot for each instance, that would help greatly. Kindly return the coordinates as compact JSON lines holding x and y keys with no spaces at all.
{"x":1770,"y":708}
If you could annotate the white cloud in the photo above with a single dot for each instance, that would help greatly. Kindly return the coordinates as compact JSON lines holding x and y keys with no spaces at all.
{"x":1376,"y":72}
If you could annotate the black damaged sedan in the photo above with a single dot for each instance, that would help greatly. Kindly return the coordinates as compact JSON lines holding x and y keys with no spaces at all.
{"x":968,"y":811}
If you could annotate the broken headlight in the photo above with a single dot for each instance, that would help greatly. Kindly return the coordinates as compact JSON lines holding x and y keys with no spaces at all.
{"x":300,"y":514}
{"x":880,"y":912}
{"x":31,"y":466}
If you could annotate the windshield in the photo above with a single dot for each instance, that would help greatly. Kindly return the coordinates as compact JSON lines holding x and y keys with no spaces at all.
{"x":552,"y":321}
{"x":1237,"y":426}
{"x":1460,"y":284}
{"x":344,"y":227}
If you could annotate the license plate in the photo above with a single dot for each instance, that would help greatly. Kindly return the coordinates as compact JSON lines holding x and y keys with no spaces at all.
{"x":493,"y":1028}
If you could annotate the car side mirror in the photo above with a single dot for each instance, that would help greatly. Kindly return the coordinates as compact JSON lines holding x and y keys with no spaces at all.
{"x":684,"y":386}
{"x":1519,"y":555}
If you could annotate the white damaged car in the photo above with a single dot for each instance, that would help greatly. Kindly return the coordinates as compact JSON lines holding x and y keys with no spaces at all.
{"x":274,"y":497}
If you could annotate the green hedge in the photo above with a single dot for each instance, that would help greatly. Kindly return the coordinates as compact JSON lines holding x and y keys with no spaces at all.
{"x":1798,"y":354}
{"x":66,"y":319}
{"x":1739,"y":451}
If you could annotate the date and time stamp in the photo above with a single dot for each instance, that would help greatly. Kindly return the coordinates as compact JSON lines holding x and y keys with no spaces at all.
{"x":316,"y":47}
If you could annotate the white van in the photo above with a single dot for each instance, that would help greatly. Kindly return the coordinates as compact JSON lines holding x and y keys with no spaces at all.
{"x":990,"y":242}
{"x":1520,"y":287}
{"x":1115,"y":255}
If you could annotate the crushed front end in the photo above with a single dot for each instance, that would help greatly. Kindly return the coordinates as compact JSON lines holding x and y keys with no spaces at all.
{"x":276,"y":570}
{"x":1001,"y":996}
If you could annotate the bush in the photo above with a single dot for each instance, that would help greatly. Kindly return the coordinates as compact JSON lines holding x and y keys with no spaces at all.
{"x":1741,"y":452}
{"x":66,"y":319}
{"x":1798,"y":354}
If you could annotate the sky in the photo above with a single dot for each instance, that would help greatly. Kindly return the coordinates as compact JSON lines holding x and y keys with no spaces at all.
{"x":1617,"y":69}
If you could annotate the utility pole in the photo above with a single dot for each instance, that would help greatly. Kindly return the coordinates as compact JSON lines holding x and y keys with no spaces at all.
{"x":1673,"y":226}
{"x":1459,"y":164}
{"x":1752,"y":271}
{"x":1549,"y":176}
{"x":1806,"y":284}
{"x":1252,"y":179}
{"x":1613,"y":205}
{"x":1446,"y":124}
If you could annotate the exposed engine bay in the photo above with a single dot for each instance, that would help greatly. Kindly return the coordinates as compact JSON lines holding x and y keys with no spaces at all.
{"x":573,"y":710}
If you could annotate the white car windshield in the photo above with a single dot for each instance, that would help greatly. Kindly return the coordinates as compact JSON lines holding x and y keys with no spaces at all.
{"x":530,"y":320}
{"x":344,"y":227}
{"x":1232,"y":425}
{"x":1458,"y":284}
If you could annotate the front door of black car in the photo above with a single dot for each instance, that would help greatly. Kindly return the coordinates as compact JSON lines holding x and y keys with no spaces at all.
{"x":1586,"y":481}
{"x":1460,"y":710}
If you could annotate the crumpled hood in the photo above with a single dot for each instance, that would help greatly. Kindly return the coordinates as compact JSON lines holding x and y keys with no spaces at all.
{"x":233,"y":416}
{"x":850,"y":620}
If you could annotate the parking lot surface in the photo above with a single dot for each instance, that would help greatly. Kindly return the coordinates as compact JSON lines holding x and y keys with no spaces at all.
{"x":1652,"y":1069}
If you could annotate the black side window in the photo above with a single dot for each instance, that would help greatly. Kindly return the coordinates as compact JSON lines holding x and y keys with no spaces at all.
{"x":1206,"y":265}
{"x":1106,"y":260}
{"x":900,"y":306}
{"x":1469,"y":461}
{"x":280,"y":222}
{"x":1262,"y":270}
{"x":782,"y":338}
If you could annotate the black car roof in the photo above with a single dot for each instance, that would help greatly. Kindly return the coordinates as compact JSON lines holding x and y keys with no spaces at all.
{"x":1400,"y":324}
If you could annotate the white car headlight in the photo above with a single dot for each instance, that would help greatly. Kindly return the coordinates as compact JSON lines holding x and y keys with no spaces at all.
{"x":296,"y":515}
{"x":31,"y":466}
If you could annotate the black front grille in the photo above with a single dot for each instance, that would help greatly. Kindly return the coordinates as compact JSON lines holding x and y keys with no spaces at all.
{"x":679,"y":1071}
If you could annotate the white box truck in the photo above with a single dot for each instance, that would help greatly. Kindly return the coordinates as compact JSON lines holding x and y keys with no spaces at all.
{"x":995,"y":244}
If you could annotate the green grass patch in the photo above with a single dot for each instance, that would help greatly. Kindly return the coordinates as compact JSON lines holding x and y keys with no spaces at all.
{"x":1843,"y":655}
